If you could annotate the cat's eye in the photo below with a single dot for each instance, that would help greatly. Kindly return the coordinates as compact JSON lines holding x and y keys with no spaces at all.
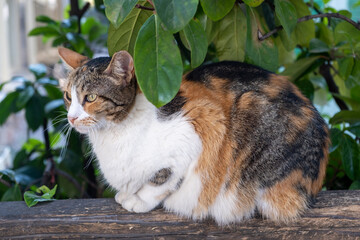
{"x":67,"y":96}
{"x":91,"y":97}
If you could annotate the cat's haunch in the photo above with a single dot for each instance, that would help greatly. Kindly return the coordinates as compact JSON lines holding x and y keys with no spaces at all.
{"x":236,"y":139}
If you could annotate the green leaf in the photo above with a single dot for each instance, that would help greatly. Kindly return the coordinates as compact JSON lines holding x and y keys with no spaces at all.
{"x":25,"y":96}
{"x":175,"y":14}
{"x":34,"y":113}
{"x":336,"y":138}
{"x":286,"y":13}
{"x":12,"y":194}
{"x":325,"y":34}
{"x":230,"y":36}
{"x":355,"y":129}
{"x":217,"y":9}
{"x":31,"y":198}
{"x":344,"y":31}
{"x":346,"y":116}
{"x":117,"y":10}
{"x":356,"y":184}
{"x":77,"y":41}
{"x":318,"y":46}
{"x":261,"y":53}
{"x":303,"y":32}
{"x":345,"y":68}
{"x":39,"y":70}
{"x":9,"y":173}
{"x":124,"y":37}
{"x":350,"y":155}
{"x":48,"y":31}
{"x":296,"y":70}
{"x":253,"y":3}
{"x":158,"y":63}
{"x":196,"y":39}
{"x":8,"y":106}
{"x":45,"y":19}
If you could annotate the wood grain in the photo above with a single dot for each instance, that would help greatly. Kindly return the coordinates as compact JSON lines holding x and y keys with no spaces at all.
{"x":335,"y":215}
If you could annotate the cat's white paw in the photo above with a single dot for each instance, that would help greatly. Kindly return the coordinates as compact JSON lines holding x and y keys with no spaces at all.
{"x":133,"y":203}
{"x":120,"y":197}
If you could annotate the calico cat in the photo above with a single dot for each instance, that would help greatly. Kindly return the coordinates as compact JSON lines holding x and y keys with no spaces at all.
{"x":235,"y":140}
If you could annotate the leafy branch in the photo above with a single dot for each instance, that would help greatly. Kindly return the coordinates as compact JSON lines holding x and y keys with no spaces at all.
{"x":262,"y":37}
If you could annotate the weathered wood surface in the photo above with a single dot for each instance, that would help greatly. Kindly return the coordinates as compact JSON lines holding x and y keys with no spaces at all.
{"x":336,"y":215}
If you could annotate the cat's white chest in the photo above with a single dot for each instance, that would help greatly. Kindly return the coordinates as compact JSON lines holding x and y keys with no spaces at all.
{"x":131,"y":151}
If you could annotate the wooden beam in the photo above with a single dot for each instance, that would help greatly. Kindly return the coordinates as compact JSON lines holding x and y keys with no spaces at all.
{"x":335,"y":215}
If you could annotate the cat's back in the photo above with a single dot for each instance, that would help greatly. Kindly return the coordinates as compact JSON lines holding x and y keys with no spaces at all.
{"x":262,"y":139}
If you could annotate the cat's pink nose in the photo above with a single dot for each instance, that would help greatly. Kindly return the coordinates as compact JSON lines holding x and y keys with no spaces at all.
{"x":72,"y":119}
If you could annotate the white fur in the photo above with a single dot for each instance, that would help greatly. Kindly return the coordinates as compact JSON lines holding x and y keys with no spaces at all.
{"x":131,"y":152}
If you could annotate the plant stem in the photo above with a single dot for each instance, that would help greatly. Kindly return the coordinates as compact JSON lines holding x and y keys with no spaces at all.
{"x":73,"y":181}
{"x":143,"y":7}
{"x":262,"y":37}
{"x":6,"y":183}
{"x":49,"y":173}
{"x":76,"y":11}
{"x":333,"y":88}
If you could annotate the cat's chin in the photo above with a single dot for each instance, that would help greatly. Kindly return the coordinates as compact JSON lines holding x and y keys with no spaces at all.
{"x":83,"y":129}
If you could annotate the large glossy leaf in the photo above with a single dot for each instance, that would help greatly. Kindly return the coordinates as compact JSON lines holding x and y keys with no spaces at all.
{"x":217,"y":9}
{"x":318,"y":46}
{"x":196,"y":40}
{"x":124,"y":37}
{"x":175,"y":14}
{"x":34,"y":113}
{"x":350,"y":155}
{"x":253,"y":3}
{"x":286,"y":13}
{"x":230,"y":36}
{"x":346,"y":116}
{"x":261,"y":53}
{"x":344,"y":31}
{"x":158,"y":64}
{"x":303,"y":32}
{"x":336,"y":137}
{"x":117,"y":10}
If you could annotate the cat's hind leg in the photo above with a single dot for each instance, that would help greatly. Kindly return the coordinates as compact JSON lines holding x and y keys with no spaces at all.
{"x":287,"y":199}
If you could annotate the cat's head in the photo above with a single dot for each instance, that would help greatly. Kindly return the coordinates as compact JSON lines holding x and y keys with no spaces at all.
{"x":97,"y":90}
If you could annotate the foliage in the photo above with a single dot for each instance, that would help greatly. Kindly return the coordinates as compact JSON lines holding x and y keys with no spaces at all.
{"x":41,"y":194}
{"x":167,"y":38}
{"x":70,"y":34}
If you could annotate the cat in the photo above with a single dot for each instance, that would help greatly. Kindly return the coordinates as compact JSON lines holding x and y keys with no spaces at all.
{"x":236,"y":140}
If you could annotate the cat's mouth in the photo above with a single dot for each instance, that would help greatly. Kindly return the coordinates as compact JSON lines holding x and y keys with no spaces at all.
{"x":85,"y":126}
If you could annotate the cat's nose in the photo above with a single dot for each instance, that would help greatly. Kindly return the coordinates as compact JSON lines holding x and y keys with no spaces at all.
{"x":72,"y":119}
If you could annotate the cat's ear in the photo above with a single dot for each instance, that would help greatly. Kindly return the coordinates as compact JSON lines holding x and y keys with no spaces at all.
{"x":71,"y":58}
{"x":121,"y":67}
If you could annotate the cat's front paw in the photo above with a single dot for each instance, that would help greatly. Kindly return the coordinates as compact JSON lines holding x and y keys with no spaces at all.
{"x":132,"y":203}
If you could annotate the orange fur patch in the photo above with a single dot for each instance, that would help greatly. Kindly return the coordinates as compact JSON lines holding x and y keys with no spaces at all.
{"x":286,"y":203}
{"x":208,"y":110}
{"x":276,"y":85}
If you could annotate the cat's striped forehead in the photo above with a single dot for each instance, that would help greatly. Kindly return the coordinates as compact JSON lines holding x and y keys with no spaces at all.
{"x":89,"y":76}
